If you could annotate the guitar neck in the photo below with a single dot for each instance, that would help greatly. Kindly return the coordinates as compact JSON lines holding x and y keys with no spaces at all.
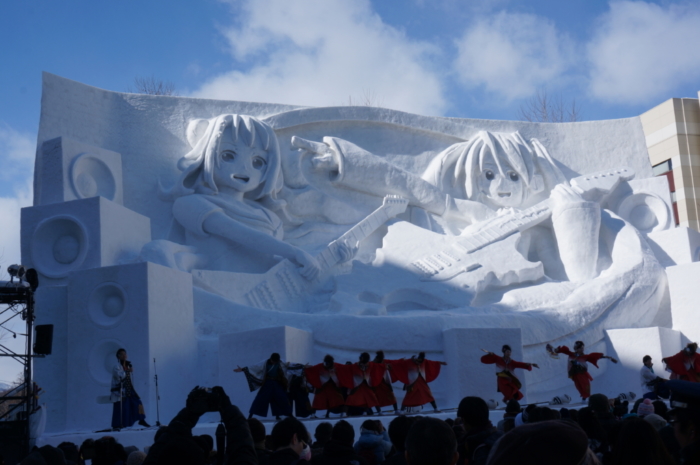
{"x":329,"y":258}
{"x":503,"y":226}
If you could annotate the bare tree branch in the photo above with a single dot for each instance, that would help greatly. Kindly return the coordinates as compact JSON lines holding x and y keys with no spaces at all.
{"x":369,"y":99}
{"x":543,"y":108}
{"x":152,"y":86}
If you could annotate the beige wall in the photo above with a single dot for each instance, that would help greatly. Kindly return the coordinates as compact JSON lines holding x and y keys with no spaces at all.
{"x":672,"y":131}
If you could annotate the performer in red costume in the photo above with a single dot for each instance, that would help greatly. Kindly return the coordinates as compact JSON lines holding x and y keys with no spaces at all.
{"x":508,"y":384}
{"x":415,"y":374}
{"x":383,"y":390}
{"x":360,"y":378}
{"x":578,"y":370}
{"x":324,"y":379}
{"x":685,"y":364}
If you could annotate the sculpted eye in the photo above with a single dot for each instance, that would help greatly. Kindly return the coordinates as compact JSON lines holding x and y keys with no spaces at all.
{"x":489,"y":175}
{"x":259,"y":163}
{"x":513,"y":176}
{"x":228,"y":155}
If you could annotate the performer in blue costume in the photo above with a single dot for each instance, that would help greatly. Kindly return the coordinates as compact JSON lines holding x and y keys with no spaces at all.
{"x":270,"y":377}
{"x":128,"y":408}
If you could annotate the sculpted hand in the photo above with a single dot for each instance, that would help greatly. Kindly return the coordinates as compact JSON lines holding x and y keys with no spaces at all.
{"x":309,"y":266}
{"x":324,"y":158}
{"x":563,"y":194}
{"x":346,"y":252}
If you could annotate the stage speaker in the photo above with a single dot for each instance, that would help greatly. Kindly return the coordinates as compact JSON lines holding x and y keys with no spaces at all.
{"x":60,"y":238}
{"x":70,"y":170}
{"x":44,"y":339}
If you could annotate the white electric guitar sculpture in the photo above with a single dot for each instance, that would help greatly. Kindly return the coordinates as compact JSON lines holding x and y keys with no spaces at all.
{"x":282,"y":287}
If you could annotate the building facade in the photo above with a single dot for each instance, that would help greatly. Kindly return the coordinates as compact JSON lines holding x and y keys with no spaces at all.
{"x":672,"y":131}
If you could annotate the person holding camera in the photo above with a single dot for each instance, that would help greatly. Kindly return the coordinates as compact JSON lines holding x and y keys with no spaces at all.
{"x":127,"y":408}
{"x":175,"y":444}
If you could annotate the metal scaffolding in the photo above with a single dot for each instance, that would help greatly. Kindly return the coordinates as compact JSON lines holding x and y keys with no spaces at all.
{"x":20,"y":402}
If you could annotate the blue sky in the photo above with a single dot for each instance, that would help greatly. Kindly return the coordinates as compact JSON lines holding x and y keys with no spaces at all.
{"x":473,"y":59}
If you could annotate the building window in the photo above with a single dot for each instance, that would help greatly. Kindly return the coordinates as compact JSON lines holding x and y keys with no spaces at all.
{"x":662,"y":168}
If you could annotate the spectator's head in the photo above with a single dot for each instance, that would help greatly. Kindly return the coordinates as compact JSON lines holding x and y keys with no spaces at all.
{"x":638,"y":442}
{"x":87,"y":449}
{"x":52,"y":455}
{"x":647,"y":361}
{"x":275,"y":357}
{"x":108,"y":451}
{"x":344,"y":433}
{"x":328,"y":361}
{"x":136,"y":458}
{"x":541,"y":414}
{"x":398,"y":430}
{"x":364,"y":358}
{"x":645,"y":408}
{"x":552,"y":442}
{"x":508,"y":424}
{"x":257,"y":430}
{"x":290,"y":433}
{"x":599,"y":404}
{"x":474,"y":413}
{"x":70,"y":451}
{"x":691,"y":348}
{"x":431,"y":442}
{"x":379,"y":357}
{"x":370,"y":425}
{"x":661,"y":409}
{"x":512,"y":408}
{"x":323,"y":432}
{"x":656,"y":421}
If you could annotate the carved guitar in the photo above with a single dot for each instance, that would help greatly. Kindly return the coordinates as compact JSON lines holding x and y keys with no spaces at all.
{"x":456,"y":259}
{"x":282,"y":287}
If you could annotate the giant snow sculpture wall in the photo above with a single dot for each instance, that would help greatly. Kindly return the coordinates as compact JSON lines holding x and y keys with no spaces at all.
{"x":196,"y":232}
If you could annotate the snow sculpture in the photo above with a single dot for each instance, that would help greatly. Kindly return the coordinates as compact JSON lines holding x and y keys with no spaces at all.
{"x":398,"y":232}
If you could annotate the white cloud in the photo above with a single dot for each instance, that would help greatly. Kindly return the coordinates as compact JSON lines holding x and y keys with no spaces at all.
{"x":512,"y":54}
{"x":321,"y":52}
{"x":17,"y":161}
{"x":642,"y":51}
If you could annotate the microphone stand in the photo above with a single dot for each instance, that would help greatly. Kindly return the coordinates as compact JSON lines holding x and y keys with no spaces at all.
{"x":155,"y":372}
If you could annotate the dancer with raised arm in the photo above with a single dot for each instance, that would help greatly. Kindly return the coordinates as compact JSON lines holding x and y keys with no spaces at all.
{"x":415,"y":373}
{"x":383,"y":390}
{"x":270,"y":377}
{"x":685,"y":364}
{"x":577,"y":368}
{"x":508,"y":384}
{"x":360,"y":378}
{"x":324,"y":379}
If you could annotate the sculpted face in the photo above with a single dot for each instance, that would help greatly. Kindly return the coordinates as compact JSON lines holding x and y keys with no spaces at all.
{"x":241,"y":168}
{"x":500,"y":188}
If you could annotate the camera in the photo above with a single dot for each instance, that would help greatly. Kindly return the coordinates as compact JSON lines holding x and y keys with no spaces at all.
{"x":203,"y":399}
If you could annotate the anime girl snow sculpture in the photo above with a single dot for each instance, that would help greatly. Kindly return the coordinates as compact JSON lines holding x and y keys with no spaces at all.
{"x":225,"y":199}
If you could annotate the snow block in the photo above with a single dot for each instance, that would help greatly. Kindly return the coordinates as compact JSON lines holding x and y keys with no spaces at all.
{"x":144,"y":308}
{"x":80,"y":234}
{"x":629,"y":346}
{"x":677,"y":246}
{"x":683,"y":285}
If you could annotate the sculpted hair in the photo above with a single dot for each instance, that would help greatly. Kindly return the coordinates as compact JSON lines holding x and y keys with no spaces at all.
{"x":456,"y":169}
{"x":199,"y":164}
